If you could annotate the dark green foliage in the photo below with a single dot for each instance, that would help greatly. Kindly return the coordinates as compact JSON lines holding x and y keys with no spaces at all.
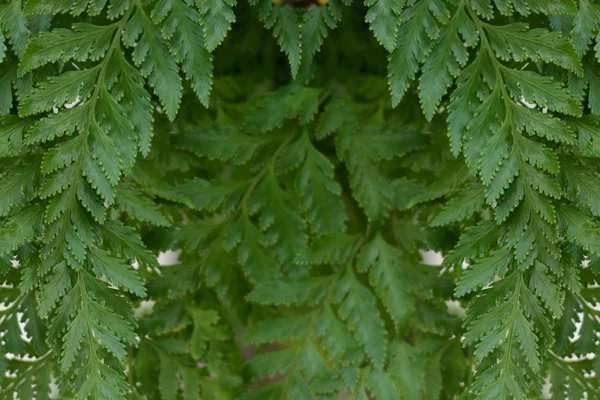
{"x":301,"y":171}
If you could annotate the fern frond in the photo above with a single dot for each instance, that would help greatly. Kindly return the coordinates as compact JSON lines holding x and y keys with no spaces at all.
{"x":303,"y":211}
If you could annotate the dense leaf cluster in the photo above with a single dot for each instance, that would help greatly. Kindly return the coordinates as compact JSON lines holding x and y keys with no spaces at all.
{"x":301,"y":170}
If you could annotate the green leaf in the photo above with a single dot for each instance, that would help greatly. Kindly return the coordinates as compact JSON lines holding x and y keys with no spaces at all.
{"x":579,"y":228}
{"x":286,"y":29}
{"x":582,"y":184}
{"x":287,"y":292}
{"x":65,"y":122}
{"x":467,"y":201}
{"x":484,"y":272}
{"x":445,"y":61}
{"x":585,"y":24}
{"x":332,"y":118}
{"x":116,"y":272}
{"x":17,"y":187}
{"x":224,"y":196}
{"x":80,"y":43}
{"x":21,"y":228}
{"x":123,"y":240}
{"x":518,"y":42}
{"x":151,"y":56}
{"x":60,"y":90}
{"x":418,"y":28}
{"x":223,"y":143}
{"x":84,"y":329}
{"x":543,"y":124}
{"x":15,"y":26}
{"x":506,"y":7}
{"x":362,"y":151}
{"x":181,"y":27}
{"x":474,"y":242}
{"x":383,"y":19}
{"x":57,"y":286}
{"x":258,"y":264}
{"x":546,"y":289}
{"x":135,"y":101}
{"x":335,"y":248}
{"x":318,"y":189}
{"x":277,"y":329}
{"x":287,"y":102}
{"x":357,"y":308}
{"x":316,"y":23}
{"x":388,"y":275}
{"x":282,"y":225}
{"x":540,"y":90}
{"x":217,"y":18}
{"x":132,"y":201}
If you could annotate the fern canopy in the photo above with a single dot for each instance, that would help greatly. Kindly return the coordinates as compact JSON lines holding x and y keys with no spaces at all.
{"x":300,"y":158}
